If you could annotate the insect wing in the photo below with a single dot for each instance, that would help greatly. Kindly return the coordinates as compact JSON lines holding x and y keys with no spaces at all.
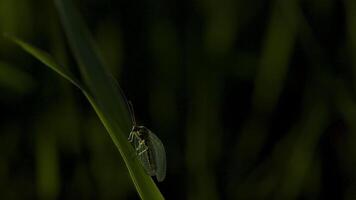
{"x":158,"y":156}
{"x":146,"y":163}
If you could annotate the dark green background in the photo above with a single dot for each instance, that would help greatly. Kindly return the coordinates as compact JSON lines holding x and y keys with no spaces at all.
{"x":252,"y":99}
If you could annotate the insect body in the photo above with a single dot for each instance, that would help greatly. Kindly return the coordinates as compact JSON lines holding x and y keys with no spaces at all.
{"x":149,"y":149}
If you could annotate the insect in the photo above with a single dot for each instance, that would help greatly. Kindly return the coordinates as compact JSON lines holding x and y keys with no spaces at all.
{"x":149,"y":149}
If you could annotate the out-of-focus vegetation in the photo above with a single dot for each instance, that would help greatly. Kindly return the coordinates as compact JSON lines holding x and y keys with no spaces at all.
{"x":252,"y":99}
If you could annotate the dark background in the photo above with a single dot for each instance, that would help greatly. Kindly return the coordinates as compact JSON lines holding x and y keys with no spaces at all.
{"x":252,"y":99}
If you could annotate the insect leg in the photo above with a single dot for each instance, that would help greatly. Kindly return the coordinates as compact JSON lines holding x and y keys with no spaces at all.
{"x":142,"y":147}
{"x":144,"y":150}
{"x":140,"y":143}
{"x":131,"y":136}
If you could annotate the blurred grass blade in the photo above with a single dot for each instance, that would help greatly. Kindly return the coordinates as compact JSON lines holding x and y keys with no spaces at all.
{"x":14,"y":79}
{"x":100,"y":83}
{"x":108,"y":100}
{"x":46,"y":59}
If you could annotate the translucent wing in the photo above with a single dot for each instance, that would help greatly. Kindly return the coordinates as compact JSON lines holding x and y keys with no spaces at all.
{"x":146,"y":163}
{"x":158,"y":156}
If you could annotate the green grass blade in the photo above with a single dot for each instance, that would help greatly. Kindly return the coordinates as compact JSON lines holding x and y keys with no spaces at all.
{"x":108,"y":100}
{"x":46,"y":59}
{"x":99,"y":82}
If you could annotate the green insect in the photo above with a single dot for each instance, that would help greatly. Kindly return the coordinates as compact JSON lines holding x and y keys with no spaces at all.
{"x":149,"y":149}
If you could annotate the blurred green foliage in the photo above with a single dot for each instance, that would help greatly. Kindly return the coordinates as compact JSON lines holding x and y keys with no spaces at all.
{"x":252,"y":99}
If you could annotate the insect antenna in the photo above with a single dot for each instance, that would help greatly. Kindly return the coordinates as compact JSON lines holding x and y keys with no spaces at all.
{"x":128,"y":103}
{"x":132,"y":113}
